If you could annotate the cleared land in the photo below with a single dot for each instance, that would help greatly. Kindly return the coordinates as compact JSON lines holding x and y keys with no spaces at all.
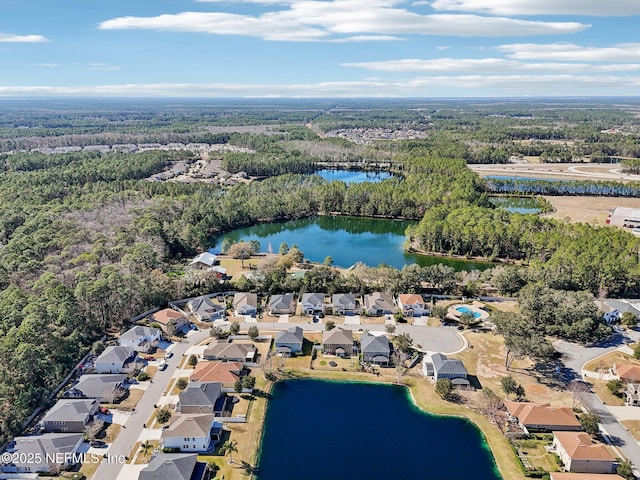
{"x":558,"y":171}
{"x":592,"y":210}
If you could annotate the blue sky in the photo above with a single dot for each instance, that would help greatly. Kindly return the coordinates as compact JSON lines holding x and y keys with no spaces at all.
{"x":312,"y":48}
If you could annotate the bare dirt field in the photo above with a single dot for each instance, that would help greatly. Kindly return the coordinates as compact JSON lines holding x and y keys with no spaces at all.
{"x":592,"y":210}
{"x":558,"y":171}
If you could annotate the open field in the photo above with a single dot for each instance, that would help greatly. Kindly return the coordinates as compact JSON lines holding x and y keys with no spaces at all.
{"x":592,"y":210}
{"x":558,"y":171}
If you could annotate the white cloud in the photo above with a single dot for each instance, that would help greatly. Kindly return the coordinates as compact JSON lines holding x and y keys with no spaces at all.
{"x":312,"y":20}
{"x":47,"y":65}
{"x":597,"y":8}
{"x":103,"y":67}
{"x":368,"y":38}
{"x":11,"y":38}
{"x":486,"y":65}
{"x":623,"y":52}
{"x":465,"y":85}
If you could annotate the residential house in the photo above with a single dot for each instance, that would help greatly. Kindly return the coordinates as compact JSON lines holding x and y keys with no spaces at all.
{"x":115,"y":359}
{"x":202,"y":397}
{"x":181,"y":466}
{"x":532,"y":416}
{"x":290,"y":341}
{"x":632,"y":394}
{"x":169,"y":320}
{"x":245,"y":303}
{"x":378,"y":303}
{"x":412,"y":305}
{"x":312,"y":303}
{"x":43,"y":453}
{"x":101,"y":387}
{"x":628,"y":373}
{"x":204,"y":310}
{"x":583,"y":476}
{"x":231,"y":352}
{"x":192,"y":433}
{"x":343,"y":303}
{"x":437,"y":365}
{"x":282,"y":304}
{"x":219,"y":272}
{"x":203,"y":261}
{"x":338,"y":341}
{"x":142,"y":339}
{"x":375,"y":349}
{"x":227,"y":373}
{"x":71,"y":416}
{"x":579,"y":453}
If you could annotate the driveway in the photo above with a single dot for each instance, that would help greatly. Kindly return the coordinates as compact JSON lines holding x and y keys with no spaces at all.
{"x":133,"y":425}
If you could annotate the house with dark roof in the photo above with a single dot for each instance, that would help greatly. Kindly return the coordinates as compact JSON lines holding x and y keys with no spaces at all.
{"x":532,"y":417}
{"x":141,"y":338}
{"x":69,"y":415}
{"x":343,"y":303}
{"x":290,"y":341}
{"x":245,"y":303}
{"x":204,"y":310}
{"x":180,"y":466}
{"x":192,"y":433}
{"x":101,"y":387}
{"x":115,"y":359}
{"x":312,"y":303}
{"x":282,"y":304}
{"x":378,"y":303}
{"x":376,"y":349}
{"x":43,"y":453}
{"x":231,"y":352}
{"x":169,"y":320}
{"x":202,"y":397}
{"x":203,"y":261}
{"x":412,"y":305}
{"x":437,"y":366}
{"x":338,"y":342}
{"x":579,"y":453}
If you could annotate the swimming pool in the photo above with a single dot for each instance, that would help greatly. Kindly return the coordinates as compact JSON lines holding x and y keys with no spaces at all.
{"x":476,"y":314}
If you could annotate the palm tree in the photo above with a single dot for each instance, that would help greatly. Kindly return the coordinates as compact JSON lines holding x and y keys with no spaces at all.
{"x":228,"y":448}
{"x":146,"y":448}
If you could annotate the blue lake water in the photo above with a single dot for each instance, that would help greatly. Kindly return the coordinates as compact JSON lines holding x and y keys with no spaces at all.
{"x":347,"y":240}
{"x":319,"y":430}
{"x":517,"y":204}
{"x":353,"y":176}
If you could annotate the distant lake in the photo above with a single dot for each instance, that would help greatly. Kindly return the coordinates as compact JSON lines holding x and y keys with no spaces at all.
{"x":517,"y":204}
{"x":347,"y":240}
{"x":353,"y":176}
{"x":319,"y":430}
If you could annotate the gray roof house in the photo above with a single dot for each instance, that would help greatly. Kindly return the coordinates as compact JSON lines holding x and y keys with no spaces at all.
{"x":192,"y":433}
{"x":202,"y":397}
{"x":282,"y":304}
{"x":338,"y":341}
{"x":231,"y":352}
{"x":343,"y":303}
{"x":379,"y":303}
{"x":180,"y":466}
{"x":115,"y":359}
{"x":245,"y":303}
{"x":312,"y":303}
{"x":438,"y":366}
{"x":100,"y":387}
{"x":290,"y":341}
{"x":205,"y":310}
{"x":375,"y":349}
{"x":203,"y":261}
{"x":141,"y":338}
{"x":38,"y":453}
{"x":70,"y":415}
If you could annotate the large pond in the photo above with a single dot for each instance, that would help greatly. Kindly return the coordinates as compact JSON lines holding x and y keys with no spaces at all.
{"x":318,"y":430}
{"x":353,"y":176}
{"x":347,"y":240}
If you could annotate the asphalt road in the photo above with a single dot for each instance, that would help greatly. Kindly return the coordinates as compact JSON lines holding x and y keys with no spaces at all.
{"x":128,"y":436}
{"x":574,"y":357}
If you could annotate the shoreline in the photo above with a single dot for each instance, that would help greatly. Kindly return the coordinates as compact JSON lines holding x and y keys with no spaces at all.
{"x":418,"y":390}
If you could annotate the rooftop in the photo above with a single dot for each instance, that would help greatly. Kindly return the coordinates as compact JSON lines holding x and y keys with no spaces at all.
{"x":535,"y":414}
{"x":580,"y":446}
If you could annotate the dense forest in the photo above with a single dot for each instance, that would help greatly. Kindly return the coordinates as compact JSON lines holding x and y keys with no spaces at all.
{"x":87,"y":241}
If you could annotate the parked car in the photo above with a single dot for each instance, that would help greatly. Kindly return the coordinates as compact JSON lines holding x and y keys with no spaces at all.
{"x":193,"y":326}
{"x":105,"y":411}
{"x":150,"y":358}
{"x":98,"y":444}
{"x":169,"y":355}
{"x":162,"y":365}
